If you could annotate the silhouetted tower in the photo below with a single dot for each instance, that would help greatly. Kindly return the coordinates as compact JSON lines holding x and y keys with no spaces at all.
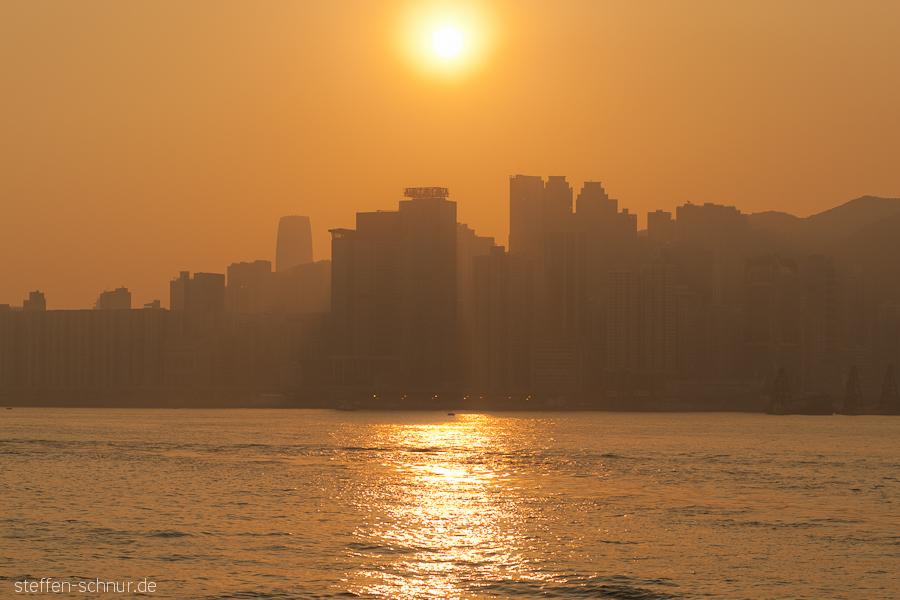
{"x":594,"y":203}
{"x":525,"y":193}
{"x":556,"y":201}
{"x":890,"y":401}
{"x":771,"y":315}
{"x":294,"y":245}
{"x":394,"y":297}
{"x":204,"y":293}
{"x":429,"y":284}
{"x":118,"y":299}
{"x":661,"y":228}
{"x":36,"y":301}
{"x":853,"y":395}
{"x":249,"y":287}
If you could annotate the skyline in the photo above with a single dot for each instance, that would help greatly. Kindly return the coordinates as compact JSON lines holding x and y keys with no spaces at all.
{"x":146,"y":138}
{"x":709,"y":305}
{"x":163,"y":297}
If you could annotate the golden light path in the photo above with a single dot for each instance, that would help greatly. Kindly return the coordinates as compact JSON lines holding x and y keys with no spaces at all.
{"x":447,"y":521}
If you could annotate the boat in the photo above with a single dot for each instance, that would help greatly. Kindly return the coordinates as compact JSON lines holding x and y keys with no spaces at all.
{"x":890,"y":401}
{"x":783,"y":403}
{"x":888,"y":404}
{"x":853,"y":401}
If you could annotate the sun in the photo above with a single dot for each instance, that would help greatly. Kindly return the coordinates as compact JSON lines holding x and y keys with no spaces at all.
{"x":447,"y":41}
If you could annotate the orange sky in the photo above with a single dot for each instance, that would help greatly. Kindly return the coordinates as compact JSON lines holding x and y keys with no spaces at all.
{"x":138,"y":139}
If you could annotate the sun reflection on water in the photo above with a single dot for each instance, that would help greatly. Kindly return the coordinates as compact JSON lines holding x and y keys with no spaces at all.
{"x":441,"y":518}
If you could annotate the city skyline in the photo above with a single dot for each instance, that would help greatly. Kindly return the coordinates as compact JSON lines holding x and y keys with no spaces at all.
{"x":162,"y":291}
{"x":162,"y":136}
{"x":707,"y":304}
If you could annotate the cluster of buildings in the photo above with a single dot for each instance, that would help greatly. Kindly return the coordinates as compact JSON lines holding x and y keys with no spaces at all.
{"x":581,"y":308}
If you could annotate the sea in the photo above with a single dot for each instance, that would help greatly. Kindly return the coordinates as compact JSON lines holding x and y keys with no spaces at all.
{"x":253,"y":504}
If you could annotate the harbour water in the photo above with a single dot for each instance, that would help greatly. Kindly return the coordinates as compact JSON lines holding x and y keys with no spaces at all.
{"x":326,"y":504}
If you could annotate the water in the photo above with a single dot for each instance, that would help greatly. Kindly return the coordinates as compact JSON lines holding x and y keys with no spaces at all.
{"x":323,"y":504}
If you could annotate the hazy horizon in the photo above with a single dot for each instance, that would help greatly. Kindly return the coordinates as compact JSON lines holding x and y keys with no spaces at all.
{"x":145,"y":139}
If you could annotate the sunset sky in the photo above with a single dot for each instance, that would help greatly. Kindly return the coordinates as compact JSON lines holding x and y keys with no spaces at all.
{"x":139,"y":139}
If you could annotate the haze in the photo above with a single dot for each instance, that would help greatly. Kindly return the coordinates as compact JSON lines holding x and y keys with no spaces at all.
{"x":141,"y":139}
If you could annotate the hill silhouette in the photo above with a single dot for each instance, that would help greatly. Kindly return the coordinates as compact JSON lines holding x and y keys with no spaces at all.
{"x":854,"y":215}
{"x":863,"y":236}
{"x":874,"y":251}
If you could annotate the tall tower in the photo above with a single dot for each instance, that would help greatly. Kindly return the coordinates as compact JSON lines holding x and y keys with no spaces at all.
{"x":429,"y":283}
{"x":393,"y":301}
{"x":525,"y":192}
{"x":294,"y":245}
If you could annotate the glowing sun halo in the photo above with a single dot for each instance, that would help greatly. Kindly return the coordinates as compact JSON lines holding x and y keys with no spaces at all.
{"x":447,"y":41}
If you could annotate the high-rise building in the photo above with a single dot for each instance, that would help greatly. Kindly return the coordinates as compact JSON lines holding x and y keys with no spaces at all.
{"x":204,"y":293}
{"x":688,"y":333}
{"x":563,"y":309}
{"x":556,"y":203}
{"x":711,"y":252}
{"x":594,"y":203}
{"x":294,"y":244}
{"x":722,"y":343}
{"x":886,"y":338}
{"x":661,"y":229}
{"x":36,"y":301}
{"x":394,"y":294}
{"x":118,"y":299}
{"x":772,"y":317}
{"x":858,"y":308}
{"x":303,"y":289}
{"x":366,"y":291}
{"x":503,"y":305}
{"x":622,"y":309}
{"x":430,"y":333}
{"x":249,"y":287}
{"x":658,"y":299}
{"x":819,"y":325}
{"x":469,"y":245}
{"x":525,"y":194}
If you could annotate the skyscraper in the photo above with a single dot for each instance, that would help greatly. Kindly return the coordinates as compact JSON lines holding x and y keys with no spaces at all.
{"x":594,"y":203}
{"x":249,"y":287}
{"x":430,"y":341}
{"x":36,"y":301}
{"x":504,"y":300}
{"x":294,"y":244}
{"x":118,"y":299}
{"x":525,"y":193}
{"x":204,"y":293}
{"x":468,"y":247}
{"x":772,"y":317}
{"x":394,"y":294}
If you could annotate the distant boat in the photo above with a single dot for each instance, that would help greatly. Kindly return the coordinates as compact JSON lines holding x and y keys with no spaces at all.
{"x":451,"y":414}
{"x":890,"y":401}
{"x":853,"y":401}
{"x":782,"y":403}
{"x":855,"y":405}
